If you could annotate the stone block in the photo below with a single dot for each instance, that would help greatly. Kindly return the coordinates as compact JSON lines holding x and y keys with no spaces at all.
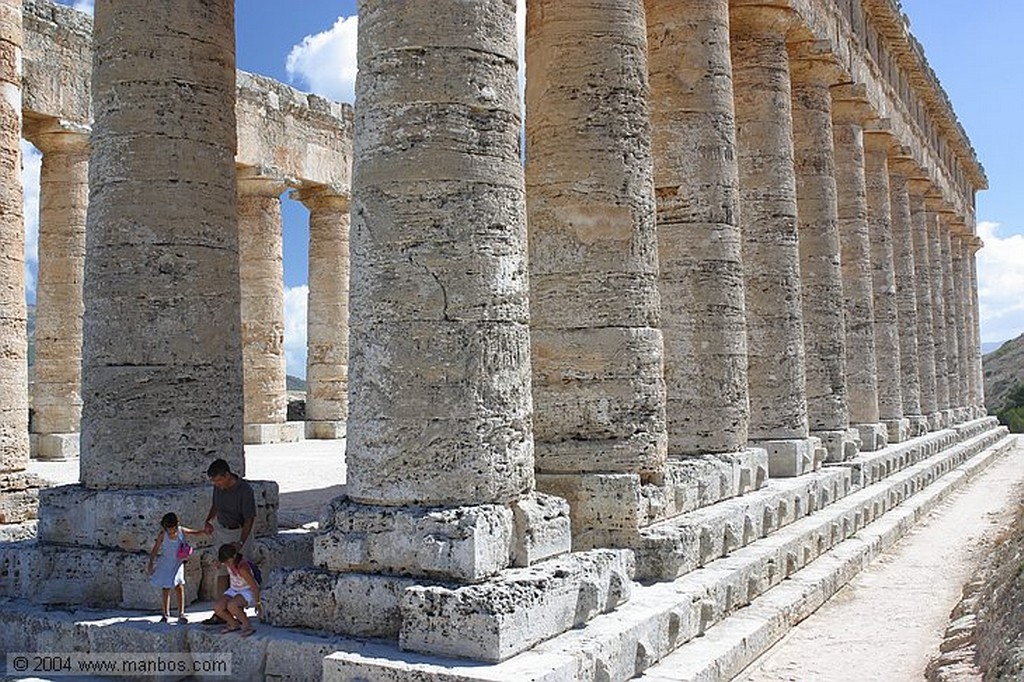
{"x":873,"y":437}
{"x":129,"y":519}
{"x":839,"y":445}
{"x":54,"y":447}
{"x":325,"y":430}
{"x":918,"y":425}
{"x":519,"y":608}
{"x":787,"y":458}
{"x":542,"y":529}
{"x":600,"y":504}
{"x":16,"y":532}
{"x":897,"y":429}
{"x":466,"y":544}
{"x":935,"y":422}
{"x":261,"y":434}
{"x":19,"y":496}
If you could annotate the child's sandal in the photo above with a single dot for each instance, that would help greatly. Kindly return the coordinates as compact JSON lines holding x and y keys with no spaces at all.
{"x":228,"y":629}
{"x":248,"y":631}
{"x":182,"y":620}
{"x":163,"y":619}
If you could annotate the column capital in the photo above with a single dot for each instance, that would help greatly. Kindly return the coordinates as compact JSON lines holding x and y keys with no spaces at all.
{"x":813,"y":62}
{"x":52,"y":134}
{"x":755,"y":16}
{"x":322,"y":196}
{"x":903,"y":162}
{"x":878,"y":137}
{"x":850,"y":104}
{"x":255,"y":182}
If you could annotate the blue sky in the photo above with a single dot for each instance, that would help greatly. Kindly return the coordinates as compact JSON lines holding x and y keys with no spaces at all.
{"x":976,"y":52}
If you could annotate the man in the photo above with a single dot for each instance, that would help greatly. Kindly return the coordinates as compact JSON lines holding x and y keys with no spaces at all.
{"x":234,"y":509}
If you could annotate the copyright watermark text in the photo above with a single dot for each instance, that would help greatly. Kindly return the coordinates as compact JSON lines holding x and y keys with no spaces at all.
{"x":119,"y":664}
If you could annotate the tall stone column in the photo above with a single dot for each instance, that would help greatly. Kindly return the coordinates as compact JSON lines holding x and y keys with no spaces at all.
{"x":18,"y":489}
{"x":771,"y":258}
{"x":327,"y":312}
{"x":972,"y":338}
{"x":848,"y":116}
{"x":961,"y":324}
{"x":883,"y":275}
{"x":900,"y":167}
{"x":699,"y":238}
{"x":813,"y":72}
{"x":598,"y":386}
{"x":974,"y":245}
{"x":261,"y":274}
{"x":952,"y":320}
{"x":939,"y":302}
{"x":64,"y":198}
{"x":923,"y":290}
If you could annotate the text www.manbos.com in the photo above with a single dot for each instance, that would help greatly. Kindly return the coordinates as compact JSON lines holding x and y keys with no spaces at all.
{"x":116,"y":664}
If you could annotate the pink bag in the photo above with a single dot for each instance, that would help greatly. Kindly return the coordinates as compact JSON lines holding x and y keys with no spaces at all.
{"x":184,"y":551}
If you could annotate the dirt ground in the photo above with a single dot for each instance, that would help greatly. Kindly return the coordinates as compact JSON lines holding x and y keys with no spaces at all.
{"x":889,"y":621}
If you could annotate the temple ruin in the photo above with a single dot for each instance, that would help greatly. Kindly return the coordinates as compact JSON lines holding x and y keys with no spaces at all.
{"x":697,"y":348}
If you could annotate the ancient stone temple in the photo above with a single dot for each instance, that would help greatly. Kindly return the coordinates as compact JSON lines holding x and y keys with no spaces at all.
{"x":616,"y":398}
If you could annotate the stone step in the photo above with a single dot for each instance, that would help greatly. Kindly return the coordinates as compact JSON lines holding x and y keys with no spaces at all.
{"x":661,"y":617}
{"x":729,"y":647}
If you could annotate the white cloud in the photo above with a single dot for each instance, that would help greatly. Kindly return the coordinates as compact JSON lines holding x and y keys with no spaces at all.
{"x":326,"y":62}
{"x":84,"y":6}
{"x":1000,"y":283}
{"x":295,"y":299}
{"x":31,"y":162}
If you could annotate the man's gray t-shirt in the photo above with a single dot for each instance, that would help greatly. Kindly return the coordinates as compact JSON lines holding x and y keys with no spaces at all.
{"x":235,"y":504}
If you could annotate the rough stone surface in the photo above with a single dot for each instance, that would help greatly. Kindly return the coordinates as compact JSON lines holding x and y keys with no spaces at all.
{"x":922,"y":282}
{"x":939,"y":302}
{"x":953,"y":374}
{"x":261,"y":434}
{"x":699,"y":240}
{"x":962,"y":321}
{"x":906,"y":294}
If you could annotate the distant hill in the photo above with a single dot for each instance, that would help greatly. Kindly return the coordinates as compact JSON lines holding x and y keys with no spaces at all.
{"x":295,"y":383}
{"x":989,"y":346}
{"x":1004,"y":381}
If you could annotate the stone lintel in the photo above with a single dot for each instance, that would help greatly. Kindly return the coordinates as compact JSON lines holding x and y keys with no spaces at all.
{"x":259,"y":434}
{"x":129,"y":519}
{"x":898,"y":429}
{"x":54,"y":447}
{"x":517,"y":609}
{"x":465,"y":544}
{"x":873,"y":437}
{"x":839,"y":445}
{"x":792,"y":457}
{"x":325,"y":430}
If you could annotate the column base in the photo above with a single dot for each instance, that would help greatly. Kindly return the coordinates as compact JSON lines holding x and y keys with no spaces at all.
{"x":792,"y":457}
{"x":325,"y":430}
{"x":265,"y":434}
{"x":918,"y":425}
{"x":53,"y":447}
{"x":839,"y":445}
{"x":948,"y":418}
{"x":935,"y":421}
{"x":898,"y":429}
{"x":873,"y":437}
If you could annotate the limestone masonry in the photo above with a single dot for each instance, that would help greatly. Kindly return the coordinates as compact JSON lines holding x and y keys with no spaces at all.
{"x":712,"y":323}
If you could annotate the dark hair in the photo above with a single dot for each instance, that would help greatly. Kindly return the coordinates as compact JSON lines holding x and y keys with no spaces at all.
{"x":217,"y":468}
{"x":226,"y":553}
{"x":169,"y":520}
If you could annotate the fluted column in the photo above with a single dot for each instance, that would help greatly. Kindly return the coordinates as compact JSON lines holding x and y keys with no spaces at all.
{"x":699,"y":239}
{"x":161,"y":271}
{"x":962,"y":322}
{"x":598,"y":387}
{"x":900,"y":165}
{"x":939,"y":303}
{"x":822,"y":291}
{"x":18,"y":492}
{"x":849,"y":114}
{"x":771,"y":258}
{"x":327,"y":312}
{"x":261,"y":273}
{"x":951,"y":320}
{"x":923,"y":290}
{"x":967,"y":248}
{"x":883,"y":275}
{"x":63,"y":201}
{"x":974,"y":245}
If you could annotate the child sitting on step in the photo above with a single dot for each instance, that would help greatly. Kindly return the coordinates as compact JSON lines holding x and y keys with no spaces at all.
{"x":244,"y":591}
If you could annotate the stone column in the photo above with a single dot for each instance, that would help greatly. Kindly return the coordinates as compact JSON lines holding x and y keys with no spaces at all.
{"x":327,"y":312}
{"x":261,"y":274}
{"x":952,"y":320}
{"x":923,"y":290}
{"x":771,"y":258}
{"x":699,"y":239}
{"x":813,"y":72}
{"x":18,"y":489}
{"x":939,"y":302}
{"x":848,"y":115}
{"x":883,"y":275}
{"x":900,"y":167}
{"x":972,"y":338}
{"x":961,"y":323}
{"x":598,"y":387}
{"x":974,"y":244}
{"x":63,"y":200}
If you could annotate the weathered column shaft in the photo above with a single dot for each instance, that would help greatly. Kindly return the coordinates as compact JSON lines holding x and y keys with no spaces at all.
{"x":771,"y":257}
{"x":952,"y":319}
{"x":858,"y":296}
{"x":820,"y":272}
{"x":979,"y":372}
{"x":961,"y":322}
{"x":162,"y":357}
{"x":440,"y":344}
{"x":887,"y":340}
{"x":261,"y":273}
{"x":973,"y":337}
{"x":939,"y":302}
{"x":923,"y":293}
{"x":699,"y":239}
{"x":906,"y":295}
{"x":327,"y":313}
{"x":14,"y":451}
{"x":598,"y":387}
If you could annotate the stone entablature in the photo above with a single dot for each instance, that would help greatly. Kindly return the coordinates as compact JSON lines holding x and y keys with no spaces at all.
{"x":282,"y":133}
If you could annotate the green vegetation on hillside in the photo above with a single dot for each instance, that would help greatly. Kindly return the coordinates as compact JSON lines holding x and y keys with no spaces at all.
{"x":1012,"y":415}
